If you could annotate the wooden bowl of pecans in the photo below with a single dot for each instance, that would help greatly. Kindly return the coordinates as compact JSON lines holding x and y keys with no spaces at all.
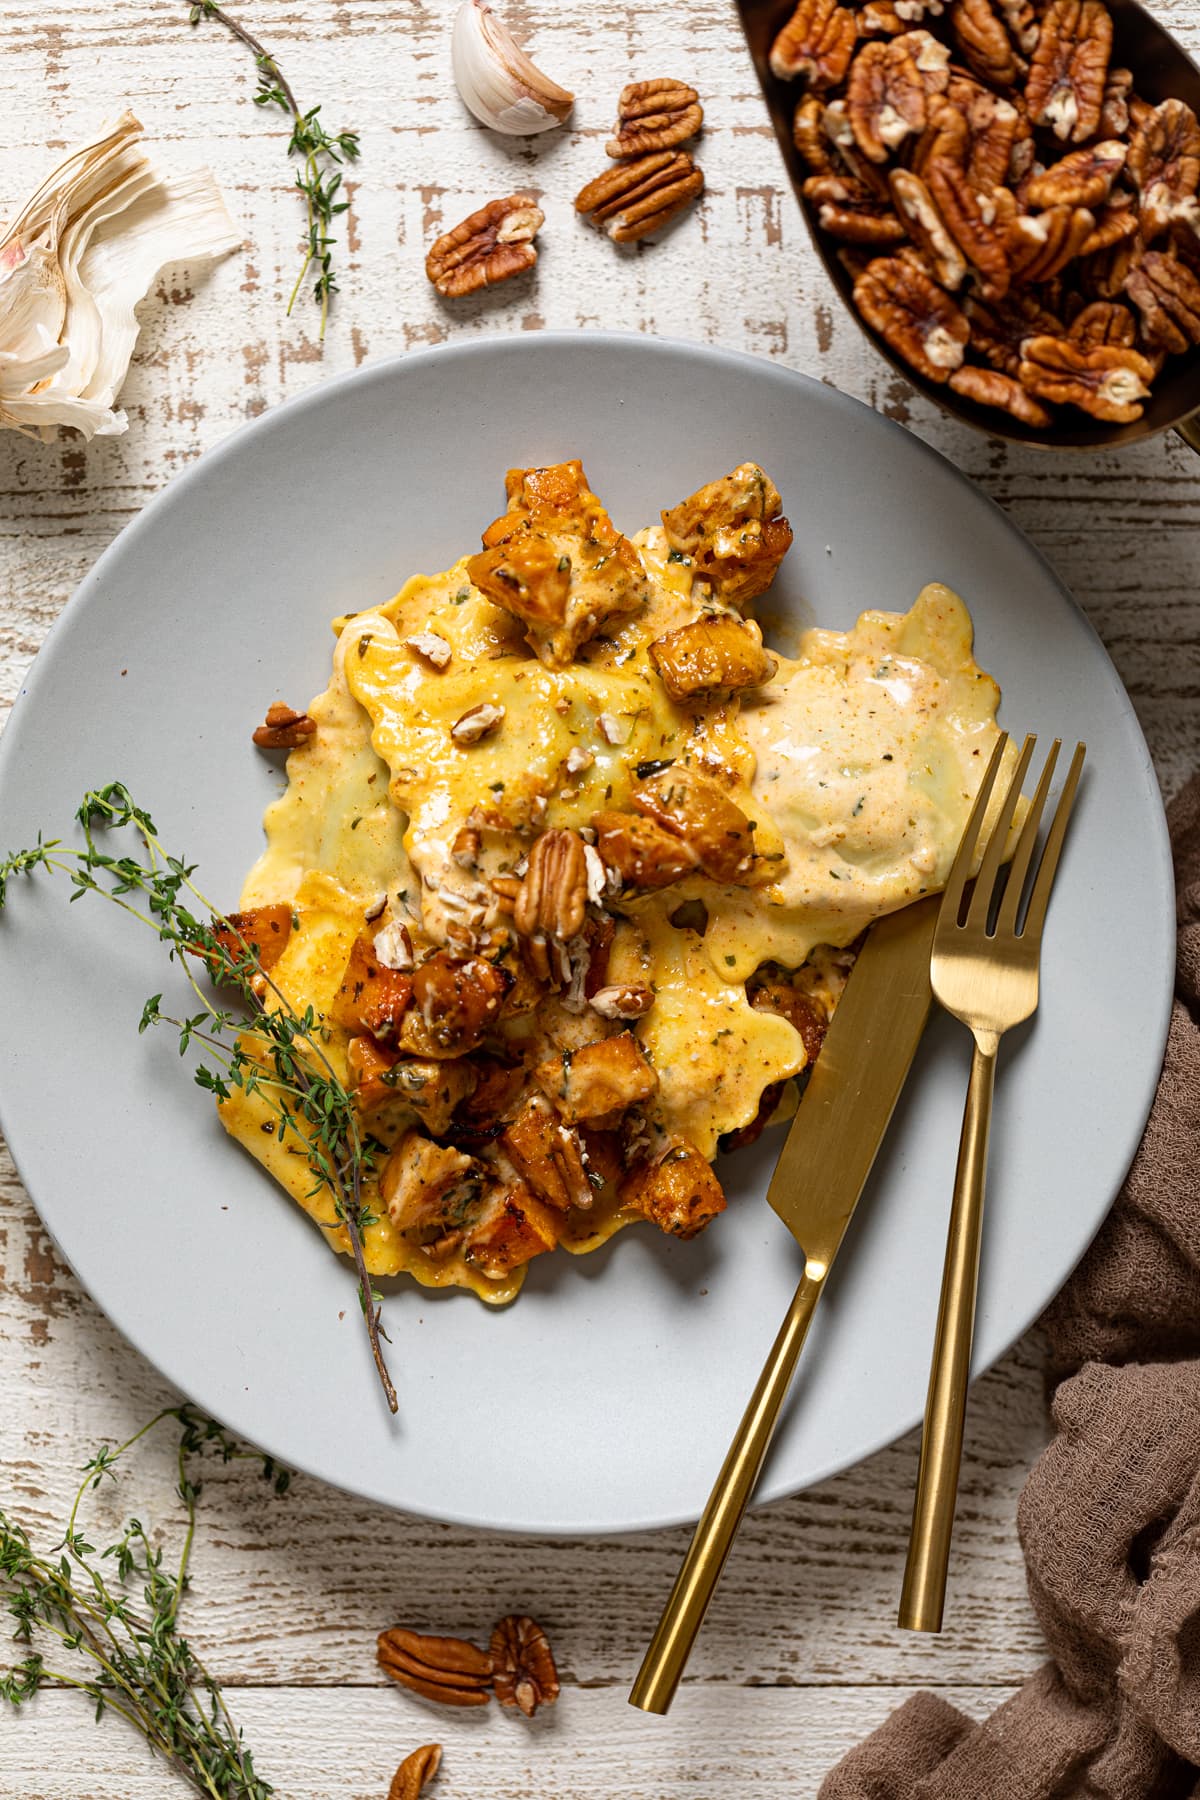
{"x":1004,"y":193}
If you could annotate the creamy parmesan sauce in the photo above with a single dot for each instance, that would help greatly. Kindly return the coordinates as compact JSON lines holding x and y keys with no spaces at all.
{"x":858,"y":764}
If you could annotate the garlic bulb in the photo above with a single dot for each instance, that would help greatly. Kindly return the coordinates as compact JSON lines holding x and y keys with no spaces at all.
{"x":74,"y":263}
{"x":496,"y":79}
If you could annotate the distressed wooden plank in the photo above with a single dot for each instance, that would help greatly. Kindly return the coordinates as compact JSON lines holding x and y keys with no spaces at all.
{"x":763,"y":1742}
{"x":807,"y":1603}
{"x":809,"y":1595}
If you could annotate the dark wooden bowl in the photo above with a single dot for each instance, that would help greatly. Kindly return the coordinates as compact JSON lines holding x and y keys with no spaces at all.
{"x":1161,"y":71}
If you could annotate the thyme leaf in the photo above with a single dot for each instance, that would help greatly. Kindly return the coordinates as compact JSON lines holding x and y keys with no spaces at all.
{"x":322,"y":156}
{"x":266,"y":1048}
{"x":78,"y":1606}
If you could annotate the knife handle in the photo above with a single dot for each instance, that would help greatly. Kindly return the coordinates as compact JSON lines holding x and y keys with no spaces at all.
{"x":712,"y":1541}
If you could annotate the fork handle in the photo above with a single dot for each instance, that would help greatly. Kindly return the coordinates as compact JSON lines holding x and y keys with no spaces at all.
{"x":712,"y":1541}
{"x":924,"y":1592}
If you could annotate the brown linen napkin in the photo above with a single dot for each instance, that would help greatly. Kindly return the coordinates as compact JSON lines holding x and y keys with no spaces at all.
{"x":1110,"y":1516}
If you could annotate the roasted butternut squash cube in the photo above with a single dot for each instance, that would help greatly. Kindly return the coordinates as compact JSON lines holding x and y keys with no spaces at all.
{"x":513,"y":1228}
{"x":370,"y":1064}
{"x":713,"y":655}
{"x":264,"y":930}
{"x":605,"y":1076}
{"x":458,"y":1000}
{"x":372,"y":997}
{"x":691,"y":806}
{"x":548,"y":1155}
{"x":734,"y":532}
{"x":642,"y":853}
{"x":526,"y":575}
{"x":429,"y":1187}
{"x":677,"y":1191}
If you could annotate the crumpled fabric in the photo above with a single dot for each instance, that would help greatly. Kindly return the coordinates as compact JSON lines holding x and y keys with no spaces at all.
{"x":1109,"y":1519}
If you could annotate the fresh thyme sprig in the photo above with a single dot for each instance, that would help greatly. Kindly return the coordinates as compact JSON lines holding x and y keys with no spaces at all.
{"x":77,"y":1605}
{"x":277,"y":1054}
{"x":323,"y":156}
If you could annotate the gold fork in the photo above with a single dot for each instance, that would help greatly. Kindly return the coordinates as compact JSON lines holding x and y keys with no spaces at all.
{"x":988,"y":978}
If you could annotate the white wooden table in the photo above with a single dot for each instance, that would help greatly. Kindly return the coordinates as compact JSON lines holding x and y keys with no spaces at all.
{"x":800,"y":1656}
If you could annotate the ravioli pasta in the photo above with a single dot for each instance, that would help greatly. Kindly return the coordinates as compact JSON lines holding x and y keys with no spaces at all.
{"x":572,"y":868}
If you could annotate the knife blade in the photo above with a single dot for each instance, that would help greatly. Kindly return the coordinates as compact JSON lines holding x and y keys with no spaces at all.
{"x":822,"y":1170}
{"x":856,"y":1082}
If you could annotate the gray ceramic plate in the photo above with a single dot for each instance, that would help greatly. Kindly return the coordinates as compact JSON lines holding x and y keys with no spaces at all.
{"x":604,"y":1399}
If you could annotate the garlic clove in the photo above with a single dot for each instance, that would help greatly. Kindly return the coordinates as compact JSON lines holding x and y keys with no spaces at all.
{"x":497,"y":81}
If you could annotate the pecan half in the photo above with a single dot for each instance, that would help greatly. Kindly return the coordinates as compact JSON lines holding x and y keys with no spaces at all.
{"x":988,"y":387}
{"x":927,"y":228}
{"x":415,"y":1773}
{"x":977,"y":222}
{"x":1082,"y":178}
{"x":1104,"y":322}
{"x":1104,"y":273}
{"x":980,"y":31}
{"x":553,"y":896}
{"x":1164,"y":164}
{"x":809,"y":135}
{"x":654,"y":115}
{"x":284,"y":728}
{"x":1167,"y":294}
{"x":1069,"y":71}
{"x":437,"y":1668}
{"x":1040,"y":244}
{"x":986,"y":152}
{"x":849,"y":210}
{"x":523,"y":1665}
{"x":1113,"y":223}
{"x":997,"y":332}
{"x":1105,"y":380}
{"x":637,"y":198}
{"x":885,"y":98}
{"x":1114,"y":110}
{"x":816,"y":44}
{"x":913,"y":315}
{"x":490,"y":246}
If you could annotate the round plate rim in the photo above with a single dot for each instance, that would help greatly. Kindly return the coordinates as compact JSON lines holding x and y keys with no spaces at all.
{"x":388,"y":369}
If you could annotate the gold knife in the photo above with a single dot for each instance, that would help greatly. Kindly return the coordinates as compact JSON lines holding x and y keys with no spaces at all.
{"x":821,"y":1172}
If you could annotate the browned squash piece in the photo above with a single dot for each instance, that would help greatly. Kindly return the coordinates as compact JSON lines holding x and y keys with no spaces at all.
{"x":556,"y":561}
{"x":264,"y":929}
{"x":427,"y":1187}
{"x":370,"y":1065}
{"x":713,"y":655}
{"x":776,"y":994}
{"x":513,"y":1228}
{"x":434,"y":1090}
{"x":548,"y":1155}
{"x":457,"y":1001}
{"x":678,"y":1190}
{"x":527,"y":575}
{"x":372,"y":997}
{"x":603,"y":1077}
{"x":691,"y":806}
{"x":642,"y":853}
{"x":734,"y":532}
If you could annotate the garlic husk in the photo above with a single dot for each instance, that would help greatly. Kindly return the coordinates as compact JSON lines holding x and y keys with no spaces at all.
{"x":74,"y":263}
{"x":497,"y":81}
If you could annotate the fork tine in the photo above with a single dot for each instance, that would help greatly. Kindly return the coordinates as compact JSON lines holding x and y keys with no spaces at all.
{"x":1006,"y":918}
{"x":989,"y":868}
{"x":960,"y":869}
{"x":1039,"y":899}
